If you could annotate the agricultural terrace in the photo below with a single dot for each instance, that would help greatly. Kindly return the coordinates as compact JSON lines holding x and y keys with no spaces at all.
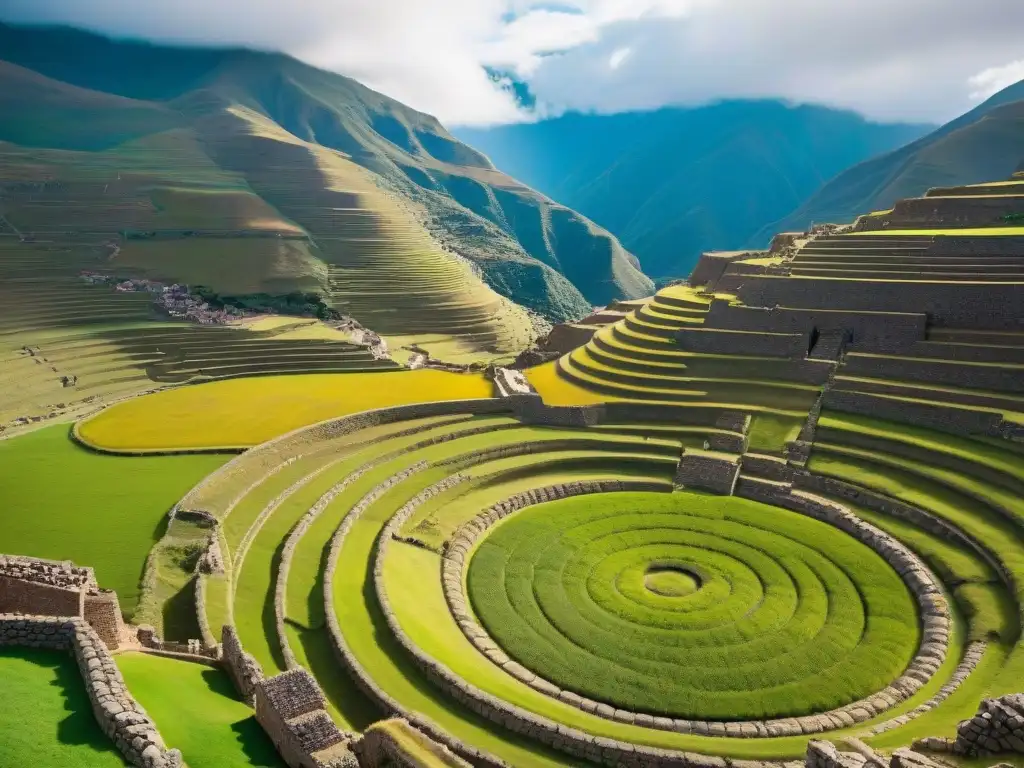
{"x":337,"y":545}
{"x":158,"y":207}
{"x":782,"y":502}
{"x":240,"y":413}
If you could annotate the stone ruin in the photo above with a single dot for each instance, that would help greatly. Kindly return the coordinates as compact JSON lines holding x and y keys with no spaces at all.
{"x":34,"y":586}
{"x":996,"y":728}
{"x":708,"y":471}
{"x":511,"y":383}
{"x":291,"y":709}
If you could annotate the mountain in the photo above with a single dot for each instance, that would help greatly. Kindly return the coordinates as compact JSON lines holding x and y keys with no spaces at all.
{"x":675,"y":182}
{"x":983,"y":144}
{"x":284,"y":177}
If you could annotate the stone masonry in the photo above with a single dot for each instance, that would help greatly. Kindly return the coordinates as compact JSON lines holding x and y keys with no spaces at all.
{"x":291,"y":709}
{"x":41,"y":587}
{"x":708,"y":471}
{"x":245,"y":672}
{"x":996,"y":728}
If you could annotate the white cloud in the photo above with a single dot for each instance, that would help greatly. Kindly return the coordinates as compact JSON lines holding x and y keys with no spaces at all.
{"x":990,"y":81}
{"x":911,"y":60}
{"x":618,"y":57}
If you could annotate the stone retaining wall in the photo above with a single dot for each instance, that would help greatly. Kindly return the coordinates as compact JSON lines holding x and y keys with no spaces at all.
{"x":300,"y":528}
{"x":996,"y":728}
{"x":531,"y":410}
{"x":945,"y":418}
{"x":119,"y":715}
{"x":863,"y":326}
{"x":387,"y":704}
{"x":972,"y":656}
{"x":103,"y":612}
{"x":243,"y":669}
{"x":20,"y":596}
{"x":719,"y":341}
{"x":42,"y":587}
{"x":291,"y":709}
{"x":956,"y":374}
{"x":978,"y":306}
{"x":715,"y":472}
{"x":903,"y":511}
{"x":268,"y":456}
{"x":711,"y":266}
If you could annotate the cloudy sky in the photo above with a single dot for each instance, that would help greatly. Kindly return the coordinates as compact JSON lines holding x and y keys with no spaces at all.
{"x":917,"y":60}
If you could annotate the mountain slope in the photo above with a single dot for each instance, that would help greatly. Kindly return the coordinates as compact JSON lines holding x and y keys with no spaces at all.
{"x":985,"y":143}
{"x":334,"y":163}
{"x":675,"y":182}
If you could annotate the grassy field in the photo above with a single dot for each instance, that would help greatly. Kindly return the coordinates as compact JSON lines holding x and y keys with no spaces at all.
{"x":197,"y":711}
{"x":239,"y":413}
{"x":45,"y":717}
{"x":62,"y":501}
{"x":791,"y":617}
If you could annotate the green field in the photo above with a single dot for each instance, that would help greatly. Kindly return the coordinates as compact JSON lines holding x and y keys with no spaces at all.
{"x":791,"y":615}
{"x":63,"y":502}
{"x":198,"y":711}
{"x":45,"y":716}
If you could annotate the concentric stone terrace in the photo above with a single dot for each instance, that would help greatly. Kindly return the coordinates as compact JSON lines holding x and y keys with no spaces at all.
{"x":775,"y":623}
{"x":529,"y":593}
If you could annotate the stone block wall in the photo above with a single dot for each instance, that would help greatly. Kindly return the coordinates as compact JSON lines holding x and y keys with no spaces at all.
{"x":863,"y":327}
{"x":119,"y":715}
{"x":21,"y":596}
{"x":942,"y":417}
{"x":711,"y":266}
{"x":952,"y":373}
{"x":531,"y":410}
{"x":974,"y":306}
{"x":565,"y":337}
{"x":103,"y":612}
{"x":996,"y":728}
{"x":707,"y":471}
{"x":290,"y":708}
{"x":245,"y":672}
{"x":719,"y":341}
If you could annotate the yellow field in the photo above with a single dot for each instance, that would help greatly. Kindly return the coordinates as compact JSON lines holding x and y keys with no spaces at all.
{"x":966,"y":232}
{"x":238,"y":413}
{"x":558,"y":391}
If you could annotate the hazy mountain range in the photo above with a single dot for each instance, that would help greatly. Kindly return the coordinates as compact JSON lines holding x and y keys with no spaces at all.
{"x":675,"y":182}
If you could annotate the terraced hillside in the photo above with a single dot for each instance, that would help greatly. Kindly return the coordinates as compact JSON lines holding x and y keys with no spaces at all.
{"x":308,"y":179}
{"x":67,"y":346}
{"x":776,"y":505}
{"x":525,"y":589}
